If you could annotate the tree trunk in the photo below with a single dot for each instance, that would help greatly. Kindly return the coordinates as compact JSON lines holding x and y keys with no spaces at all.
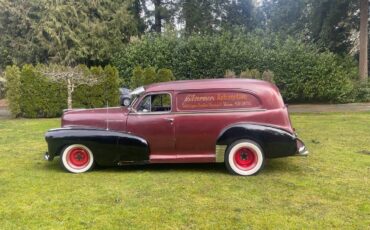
{"x":70,"y":90}
{"x":157,"y":16}
{"x":364,"y":15}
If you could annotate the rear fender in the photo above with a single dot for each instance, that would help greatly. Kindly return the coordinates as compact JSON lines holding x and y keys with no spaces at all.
{"x":273,"y":141}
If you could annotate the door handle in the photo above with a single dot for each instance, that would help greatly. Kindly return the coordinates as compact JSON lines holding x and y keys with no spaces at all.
{"x":169,"y":119}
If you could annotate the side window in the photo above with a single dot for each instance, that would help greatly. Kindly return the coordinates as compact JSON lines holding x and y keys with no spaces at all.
{"x":155,"y":103}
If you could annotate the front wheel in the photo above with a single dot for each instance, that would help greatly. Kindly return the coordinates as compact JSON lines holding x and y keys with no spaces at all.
{"x":244,"y":158}
{"x":77,"y":159}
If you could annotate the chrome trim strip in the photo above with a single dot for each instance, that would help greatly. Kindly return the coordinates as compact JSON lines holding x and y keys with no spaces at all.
{"x":201,"y":112}
{"x":220,"y":153}
{"x":220,"y":111}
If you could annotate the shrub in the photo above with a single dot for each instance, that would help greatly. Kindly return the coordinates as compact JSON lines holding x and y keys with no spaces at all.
{"x":137,"y":78}
{"x":2,"y":87}
{"x":253,"y":74}
{"x":361,"y":92}
{"x":164,"y":75}
{"x":40,"y":97}
{"x":268,"y":75}
{"x":104,"y":93}
{"x":32,"y":94}
{"x":229,"y":74}
{"x":300,"y":71}
{"x":13,"y":92}
{"x":145,"y":76}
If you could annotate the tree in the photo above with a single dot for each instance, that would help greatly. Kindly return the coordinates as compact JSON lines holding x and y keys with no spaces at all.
{"x":18,"y":20}
{"x":330,"y":24}
{"x":158,"y":14}
{"x":238,"y":13}
{"x":71,"y":76}
{"x":158,"y":11}
{"x":136,"y":9}
{"x":66,"y":32}
{"x":84,"y":31}
{"x":286,"y":16}
{"x":197,"y":16}
{"x":364,"y":17}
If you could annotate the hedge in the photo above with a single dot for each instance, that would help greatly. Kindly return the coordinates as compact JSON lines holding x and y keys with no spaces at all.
{"x":13,"y":94}
{"x":2,"y":87}
{"x":145,"y":76}
{"x":32,"y":94}
{"x":301,"y":71}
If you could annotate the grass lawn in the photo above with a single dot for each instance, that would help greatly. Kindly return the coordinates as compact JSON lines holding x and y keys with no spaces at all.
{"x":328,"y":189}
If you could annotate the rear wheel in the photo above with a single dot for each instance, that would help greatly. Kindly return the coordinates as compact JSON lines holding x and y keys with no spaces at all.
{"x":244,"y":157}
{"x":77,"y":159}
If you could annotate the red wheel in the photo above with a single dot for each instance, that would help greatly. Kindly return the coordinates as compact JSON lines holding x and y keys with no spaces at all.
{"x":244,"y":158}
{"x":77,"y":158}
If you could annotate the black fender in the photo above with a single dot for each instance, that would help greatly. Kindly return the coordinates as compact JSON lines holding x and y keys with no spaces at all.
{"x":108,"y":147}
{"x":274,"y":142}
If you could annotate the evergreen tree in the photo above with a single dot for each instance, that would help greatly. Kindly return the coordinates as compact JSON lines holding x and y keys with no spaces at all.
{"x":238,"y":13}
{"x":84,"y":31}
{"x":197,"y":16}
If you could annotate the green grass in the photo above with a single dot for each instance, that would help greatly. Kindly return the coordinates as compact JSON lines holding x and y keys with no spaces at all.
{"x":329,"y":189}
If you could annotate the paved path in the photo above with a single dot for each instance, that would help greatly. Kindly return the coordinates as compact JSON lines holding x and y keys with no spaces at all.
{"x":322,"y":108}
{"x":4,"y":112}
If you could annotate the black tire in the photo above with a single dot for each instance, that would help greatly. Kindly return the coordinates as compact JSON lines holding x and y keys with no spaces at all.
{"x":77,"y":158}
{"x":244,"y":158}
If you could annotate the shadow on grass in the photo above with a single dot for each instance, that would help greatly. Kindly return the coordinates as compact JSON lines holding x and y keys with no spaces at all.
{"x":160,"y":168}
{"x":272,"y":166}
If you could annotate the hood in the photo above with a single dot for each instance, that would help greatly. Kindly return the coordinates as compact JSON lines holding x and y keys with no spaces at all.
{"x":104,"y":118}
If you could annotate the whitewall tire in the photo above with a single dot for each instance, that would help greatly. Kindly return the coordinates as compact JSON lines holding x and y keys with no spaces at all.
{"x":77,"y":158}
{"x":244,"y":157}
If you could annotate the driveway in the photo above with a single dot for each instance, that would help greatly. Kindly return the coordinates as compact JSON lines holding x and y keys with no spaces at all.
{"x":4,"y":112}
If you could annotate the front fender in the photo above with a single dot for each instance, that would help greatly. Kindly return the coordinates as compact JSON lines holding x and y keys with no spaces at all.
{"x":108,"y":147}
{"x":274,"y":142}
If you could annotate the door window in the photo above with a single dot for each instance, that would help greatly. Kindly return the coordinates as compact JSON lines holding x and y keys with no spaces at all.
{"x":155,"y":103}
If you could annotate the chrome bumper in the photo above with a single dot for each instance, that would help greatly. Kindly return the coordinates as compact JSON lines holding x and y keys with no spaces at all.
{"x":302,"y":150}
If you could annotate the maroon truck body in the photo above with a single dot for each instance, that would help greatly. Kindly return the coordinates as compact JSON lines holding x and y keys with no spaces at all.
{"x":191,"y":118}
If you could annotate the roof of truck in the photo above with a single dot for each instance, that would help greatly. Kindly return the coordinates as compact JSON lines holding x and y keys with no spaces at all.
{"x":228,"y":83}
{"x":266,"y":91}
